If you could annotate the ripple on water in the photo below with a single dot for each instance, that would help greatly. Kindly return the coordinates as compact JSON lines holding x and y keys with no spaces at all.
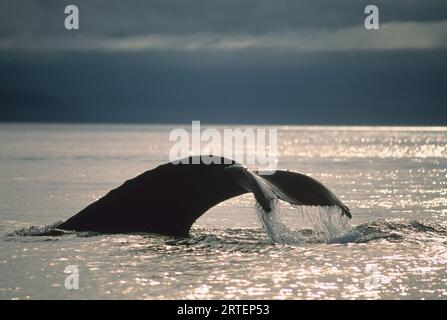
{"x":406,"y":260}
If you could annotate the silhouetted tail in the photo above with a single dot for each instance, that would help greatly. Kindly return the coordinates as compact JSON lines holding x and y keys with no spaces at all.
{"x":170,"y":198}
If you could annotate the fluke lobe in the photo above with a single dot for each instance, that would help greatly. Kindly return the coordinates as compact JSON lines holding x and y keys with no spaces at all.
{"x":170,"y":198}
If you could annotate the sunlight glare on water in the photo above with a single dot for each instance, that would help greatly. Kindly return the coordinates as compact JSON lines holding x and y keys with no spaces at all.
{"x":393,"y":179}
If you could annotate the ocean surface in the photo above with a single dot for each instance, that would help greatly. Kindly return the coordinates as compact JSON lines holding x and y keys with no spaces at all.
{"x":394,"y":179}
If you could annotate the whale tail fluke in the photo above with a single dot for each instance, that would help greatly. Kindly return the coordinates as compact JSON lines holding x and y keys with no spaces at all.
{"x":170,"y":198}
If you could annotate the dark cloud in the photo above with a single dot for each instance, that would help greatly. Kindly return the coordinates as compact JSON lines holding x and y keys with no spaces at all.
{"x":116,"y":18}
{"x":224,"y":61}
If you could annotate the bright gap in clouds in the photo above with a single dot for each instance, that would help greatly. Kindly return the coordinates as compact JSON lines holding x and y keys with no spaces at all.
{"x":390,"y":36}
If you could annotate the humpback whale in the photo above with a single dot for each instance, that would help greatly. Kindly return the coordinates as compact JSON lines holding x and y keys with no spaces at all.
{"x":167,"y":200}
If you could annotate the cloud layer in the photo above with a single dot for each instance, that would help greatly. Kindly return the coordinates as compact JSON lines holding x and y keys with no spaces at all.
{"x":224,"y":61}
{"x":391,"y":36}
{"x":222,"y":25}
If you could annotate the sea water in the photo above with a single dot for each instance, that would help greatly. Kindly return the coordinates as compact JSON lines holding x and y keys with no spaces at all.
{"x":394,"y":179}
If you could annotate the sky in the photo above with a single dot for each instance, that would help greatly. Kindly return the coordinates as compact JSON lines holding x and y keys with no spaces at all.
{"x":224,"y":61}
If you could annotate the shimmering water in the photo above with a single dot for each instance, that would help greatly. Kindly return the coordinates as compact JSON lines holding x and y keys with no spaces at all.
{"x":393,"y":179}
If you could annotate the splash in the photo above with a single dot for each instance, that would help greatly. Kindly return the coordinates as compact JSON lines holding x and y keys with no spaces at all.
{"x":303,"y":224}
{"x":36,"y":231}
